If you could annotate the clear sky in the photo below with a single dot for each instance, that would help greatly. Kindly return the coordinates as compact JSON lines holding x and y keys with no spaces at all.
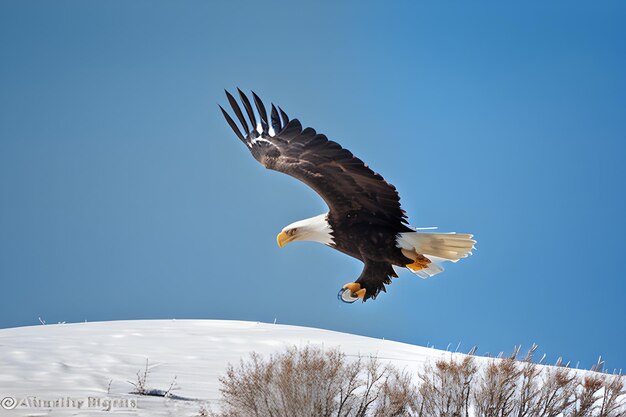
{"x":125,"y":195}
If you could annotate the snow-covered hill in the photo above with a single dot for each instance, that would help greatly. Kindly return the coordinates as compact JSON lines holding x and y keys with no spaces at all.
{"x":66,"y":363}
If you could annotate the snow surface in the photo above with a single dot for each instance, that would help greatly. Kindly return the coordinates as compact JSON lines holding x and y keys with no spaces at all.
{"x":71,"y":362}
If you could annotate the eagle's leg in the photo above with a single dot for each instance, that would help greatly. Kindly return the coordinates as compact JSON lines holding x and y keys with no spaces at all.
{"x":419,"y":261}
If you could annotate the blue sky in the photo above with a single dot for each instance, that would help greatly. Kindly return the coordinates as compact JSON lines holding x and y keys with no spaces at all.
{"x":124,"y":194}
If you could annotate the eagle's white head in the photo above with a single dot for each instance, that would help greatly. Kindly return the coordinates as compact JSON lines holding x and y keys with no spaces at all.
{"x":315,"y":229}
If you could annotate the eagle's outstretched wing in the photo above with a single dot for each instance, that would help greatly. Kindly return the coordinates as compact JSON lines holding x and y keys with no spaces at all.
{"x":347,"y":185}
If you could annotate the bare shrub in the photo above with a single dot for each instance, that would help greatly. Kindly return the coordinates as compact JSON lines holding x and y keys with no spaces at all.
{"x":557,"y":394}
{"x":516,"y":388}
{"x":141,"y":386}
{"x":312,"y":383}
{"x":142,"y":379}
{"x":445,"y":388}
{"x":600,"y":395}
{"x":309,"y":382}
{"x":496,"y":393}
{"x":614,"y":397}
{"x":587,"y":396}
{"x":396,"y":396}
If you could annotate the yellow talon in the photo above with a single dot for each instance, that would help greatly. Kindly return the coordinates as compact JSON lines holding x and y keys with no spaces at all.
{"x":420,"y":263}
{"x":354,"y":287}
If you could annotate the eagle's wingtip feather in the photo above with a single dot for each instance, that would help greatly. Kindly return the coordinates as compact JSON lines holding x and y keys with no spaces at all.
{"x":275,"y":120}
{"x":248,"y":107}
{"x":262,"y":111}
{"x":238,"y":112}
{"x":233,"y":125}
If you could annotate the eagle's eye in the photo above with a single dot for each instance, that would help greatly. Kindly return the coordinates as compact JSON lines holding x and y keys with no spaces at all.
{"x":291,"y":232}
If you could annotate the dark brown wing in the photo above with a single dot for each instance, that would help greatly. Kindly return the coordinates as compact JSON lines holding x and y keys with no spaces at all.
{"x":347,"y":185}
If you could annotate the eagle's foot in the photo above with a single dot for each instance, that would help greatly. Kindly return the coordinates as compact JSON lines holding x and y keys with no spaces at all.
{"x":421,"y":262}
{"x":351,"y":292}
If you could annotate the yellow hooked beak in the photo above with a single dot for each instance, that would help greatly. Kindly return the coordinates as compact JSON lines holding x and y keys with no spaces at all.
{"x":283,"y":238}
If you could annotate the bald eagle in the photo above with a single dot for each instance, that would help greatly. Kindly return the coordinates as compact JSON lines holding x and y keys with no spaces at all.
{"x":364,"y":219}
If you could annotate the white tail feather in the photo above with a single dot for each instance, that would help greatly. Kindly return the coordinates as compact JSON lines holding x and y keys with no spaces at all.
{"x":437,"y":247}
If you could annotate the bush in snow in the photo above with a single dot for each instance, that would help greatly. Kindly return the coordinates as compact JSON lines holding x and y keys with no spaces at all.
{"x":513,"y":388}
{"x":446,"y":387}
{"x":312,"y":383}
